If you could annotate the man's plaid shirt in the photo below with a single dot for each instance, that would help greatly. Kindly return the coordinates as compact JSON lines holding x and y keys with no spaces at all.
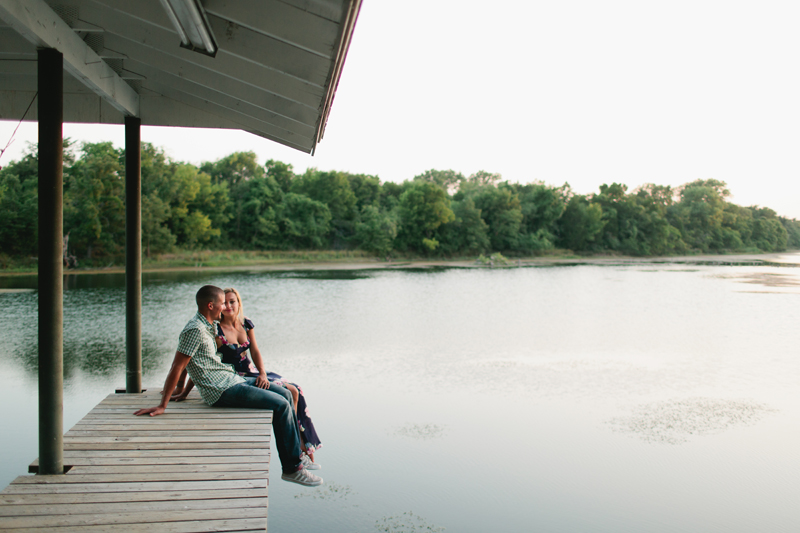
{"x":211,"y":376}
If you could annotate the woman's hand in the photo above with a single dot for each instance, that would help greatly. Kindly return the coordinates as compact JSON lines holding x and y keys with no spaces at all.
{"x":262,"y":382}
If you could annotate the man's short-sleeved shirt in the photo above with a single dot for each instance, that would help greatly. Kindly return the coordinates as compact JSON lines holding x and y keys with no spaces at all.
{"x":211,"y":376}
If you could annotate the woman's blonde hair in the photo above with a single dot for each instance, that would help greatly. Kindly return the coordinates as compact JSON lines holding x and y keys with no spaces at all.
{"x":240,"y":316}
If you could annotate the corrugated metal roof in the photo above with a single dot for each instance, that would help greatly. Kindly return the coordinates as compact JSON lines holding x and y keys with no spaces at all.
{"x":274,"y":75}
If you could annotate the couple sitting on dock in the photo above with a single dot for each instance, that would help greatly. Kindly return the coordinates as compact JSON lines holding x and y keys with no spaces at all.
{"x":220,"y":384}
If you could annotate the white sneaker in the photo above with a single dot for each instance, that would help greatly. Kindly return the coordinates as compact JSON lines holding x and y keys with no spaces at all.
{"x":303,"y":477}
{"x":308,"y":464}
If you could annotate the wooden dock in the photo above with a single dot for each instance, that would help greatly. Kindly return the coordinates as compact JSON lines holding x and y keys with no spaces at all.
{"x":194,"y":468}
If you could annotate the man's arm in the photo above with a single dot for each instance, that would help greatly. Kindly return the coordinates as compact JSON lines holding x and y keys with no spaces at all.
{"x":184,"y":393}
{"x":178,"y":364}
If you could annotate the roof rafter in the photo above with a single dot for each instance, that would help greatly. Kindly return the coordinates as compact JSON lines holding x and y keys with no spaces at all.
{"x":40,"y":25}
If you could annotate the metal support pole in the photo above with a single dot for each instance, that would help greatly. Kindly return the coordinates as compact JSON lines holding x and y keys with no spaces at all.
{"x":51,"y":307}
{"x":133,"y":255}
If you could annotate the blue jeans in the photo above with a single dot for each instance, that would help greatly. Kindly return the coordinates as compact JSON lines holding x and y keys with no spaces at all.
{"x":284,"y":420}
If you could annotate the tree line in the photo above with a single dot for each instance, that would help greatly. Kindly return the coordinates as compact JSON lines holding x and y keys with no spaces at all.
{"x":236,"y":203}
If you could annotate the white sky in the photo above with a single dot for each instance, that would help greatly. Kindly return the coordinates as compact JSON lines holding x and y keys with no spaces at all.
{"x":576,"y":91}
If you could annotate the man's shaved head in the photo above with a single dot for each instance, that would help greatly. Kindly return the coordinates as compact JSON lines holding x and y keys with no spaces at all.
{"x":208,"y":294}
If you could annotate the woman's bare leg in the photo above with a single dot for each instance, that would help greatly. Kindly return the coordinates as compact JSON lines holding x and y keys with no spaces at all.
{"x":295,"y":395}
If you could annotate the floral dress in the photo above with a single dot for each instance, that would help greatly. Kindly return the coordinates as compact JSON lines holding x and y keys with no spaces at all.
{"x":236,"y":355}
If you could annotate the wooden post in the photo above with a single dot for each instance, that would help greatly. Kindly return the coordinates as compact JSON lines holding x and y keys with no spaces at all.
{"x":133,"y":255}
{"x":51,"y":311}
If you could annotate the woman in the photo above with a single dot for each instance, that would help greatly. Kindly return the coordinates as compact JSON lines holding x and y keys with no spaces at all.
{"x":235,"y":338}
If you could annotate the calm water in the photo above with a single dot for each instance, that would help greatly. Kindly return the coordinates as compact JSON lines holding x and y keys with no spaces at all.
{"x":606,"y":399}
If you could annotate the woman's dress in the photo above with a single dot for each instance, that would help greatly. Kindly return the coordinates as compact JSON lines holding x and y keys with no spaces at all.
{"x":236,"y":355}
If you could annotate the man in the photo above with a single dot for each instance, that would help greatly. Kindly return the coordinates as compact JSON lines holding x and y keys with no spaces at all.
{"x":220,"y":386}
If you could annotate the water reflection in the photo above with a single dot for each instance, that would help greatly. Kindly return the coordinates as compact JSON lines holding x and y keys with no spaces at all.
{"x":345,"y":275}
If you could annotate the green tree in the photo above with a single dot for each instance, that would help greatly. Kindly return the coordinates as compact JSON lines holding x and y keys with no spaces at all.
{"x":19,"y":206}
{"x":500,"y":209}
{"x":156,"y":236}
{"x":94,"y":212}
{"x":282,"y":173}
{"x":255,"y":217}
{"x":234,"y":169}
{"x":769,"y":234}
{"x":541,"y":206}
{"x":376,"y":231}
{"x":699,"y":214}
{"x":332,"y":189}
{"x":390,"y":195}
{"x":656,"y":235}
{"x":449,"y":180}
{"x":792,"y":227}
{"x":483,"y":178}
{"x":423,"y":207}
{"x":467,"y":233}
{"x":581,"y":225}
{"x":367,"y":190}
{"x":305,"y":223}
{"x":193,"y":194}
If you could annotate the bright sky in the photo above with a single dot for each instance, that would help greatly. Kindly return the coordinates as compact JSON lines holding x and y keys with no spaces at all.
{"x":576,"y":91}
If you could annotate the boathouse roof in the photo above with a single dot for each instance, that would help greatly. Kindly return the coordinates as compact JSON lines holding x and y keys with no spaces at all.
{"x":270,"y":67}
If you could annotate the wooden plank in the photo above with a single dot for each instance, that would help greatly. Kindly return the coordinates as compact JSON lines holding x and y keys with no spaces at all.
{"x":173,"y":432}
{"x":91,"y":460}
{"x":176,"y":514}
{"x":215,"y":453}
{"x":128,"y":468}
{"x":86,"y":488}
{"x":224,"y":438}
{"x":128,"y":411}
{"x":97,"y":417}
{"x":152,"y":402}
{"x":121,"y":445}
{"x":240,"y":524}
{"x":177,"y":425}
{"x":8,"y":500}
{"x":128,"y":507}
{"x":175,"y":407}
{"x":199,"y":414}
{"x":149,"y":477}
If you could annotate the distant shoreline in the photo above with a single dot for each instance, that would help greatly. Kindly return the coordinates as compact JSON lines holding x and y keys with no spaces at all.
{"x":349,"y":263}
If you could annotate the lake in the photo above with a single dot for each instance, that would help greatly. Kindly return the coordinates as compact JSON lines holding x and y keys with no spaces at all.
{"x":615,"y":398}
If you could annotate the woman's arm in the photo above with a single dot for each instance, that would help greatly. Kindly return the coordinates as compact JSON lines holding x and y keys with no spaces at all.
{"x":255,"y":353}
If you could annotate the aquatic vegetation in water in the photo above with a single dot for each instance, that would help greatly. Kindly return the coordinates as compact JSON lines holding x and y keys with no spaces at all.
{"x":329,"y":491}
{"x":421,"y":431}
{"x":765,"y":279}
{"x":407,"y":522}
{"x":495,"y":259}
{"x":674,"y":421}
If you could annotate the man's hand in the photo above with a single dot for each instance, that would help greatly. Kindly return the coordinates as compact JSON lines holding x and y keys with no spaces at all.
{"x":179,"y":397}
{"x":178,"y":365}
{"x":152,"y":411}
{"x":262,"y":382}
